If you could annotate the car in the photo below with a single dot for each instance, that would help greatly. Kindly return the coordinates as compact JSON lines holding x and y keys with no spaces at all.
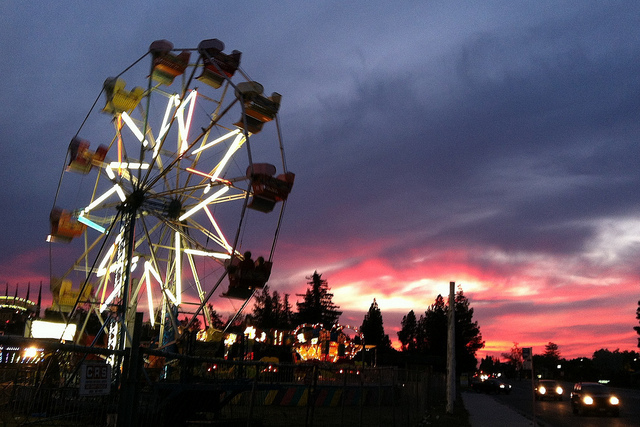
{"x":594,"y":398}
{"x":548,"y":389}
{"x":492,"y":385}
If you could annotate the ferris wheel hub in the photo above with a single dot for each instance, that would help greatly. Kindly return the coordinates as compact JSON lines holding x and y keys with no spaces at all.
{"x":134,"y":201}
{"x":174,"y":209}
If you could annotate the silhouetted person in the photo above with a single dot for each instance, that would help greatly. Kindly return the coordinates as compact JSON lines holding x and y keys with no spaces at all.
{"x":247,"y":263}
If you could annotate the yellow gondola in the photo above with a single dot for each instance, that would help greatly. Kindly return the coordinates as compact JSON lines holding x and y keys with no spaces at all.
{"x":120,"y":100}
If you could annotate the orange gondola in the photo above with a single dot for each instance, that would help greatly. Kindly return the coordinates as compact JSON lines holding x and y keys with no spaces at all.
{"x":166,"y":65}
{"x":258,"y":109}
{"x":64,"y":226}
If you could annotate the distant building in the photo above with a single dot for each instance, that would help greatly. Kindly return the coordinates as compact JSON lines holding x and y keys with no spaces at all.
{"x":16,"y":316}
{"x":16,"y":312}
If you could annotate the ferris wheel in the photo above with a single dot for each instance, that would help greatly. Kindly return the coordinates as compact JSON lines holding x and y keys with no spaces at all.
{"x":168,"y":192}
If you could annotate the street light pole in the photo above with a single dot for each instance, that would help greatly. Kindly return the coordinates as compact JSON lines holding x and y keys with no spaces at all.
{"x":451,"y":350}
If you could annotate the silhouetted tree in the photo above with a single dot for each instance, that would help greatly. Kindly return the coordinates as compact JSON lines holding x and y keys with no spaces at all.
{"x":468,"y":336}
{"x":373,"y":328}
{"x":490,"y":364}
{"x":433,"y":331}
{"x":317,"y":305}
{"x":546,"y":364}
{"x":270,"y":311}
{"x":287,"y":314}
{"x":551,"y":351}
{"x":431,"y":334}
{"x":216,"y":320}
{"x":514,"y":357}
{"x":408,"y":334}
{"x":617,"y":366}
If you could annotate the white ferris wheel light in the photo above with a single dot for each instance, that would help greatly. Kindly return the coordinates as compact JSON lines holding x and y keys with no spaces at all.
{"x":184,"y":125}
{"x":216,"y":141}
{"x":178,"y":265}
{"x":220,"y":234}
{"x":204,"y":203}
{"x":132,"y":126}
{"x":198,"y":252}
{"x":115,"y":189}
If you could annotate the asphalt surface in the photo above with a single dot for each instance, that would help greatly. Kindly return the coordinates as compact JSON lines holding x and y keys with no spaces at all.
{"x":485,"y":411}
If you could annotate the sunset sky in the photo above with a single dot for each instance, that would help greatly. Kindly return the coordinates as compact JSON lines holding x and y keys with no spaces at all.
{"x":492,"y":144}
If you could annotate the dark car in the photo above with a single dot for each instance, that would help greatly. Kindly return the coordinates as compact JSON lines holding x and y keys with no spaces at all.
{"x":548,"y":389}
{"x":594,"y":398}
{"x":492,"y":385}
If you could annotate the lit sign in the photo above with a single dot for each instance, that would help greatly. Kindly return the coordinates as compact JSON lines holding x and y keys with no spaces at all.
{"x":58,"y":331}
{"x":95,"y":379}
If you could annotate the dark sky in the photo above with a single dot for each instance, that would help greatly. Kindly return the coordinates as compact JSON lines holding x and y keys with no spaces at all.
{"x":494,"y":145}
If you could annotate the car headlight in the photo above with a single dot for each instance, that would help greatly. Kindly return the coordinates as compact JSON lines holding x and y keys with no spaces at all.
{"x":588,"y":400}
{"x":542,"y":390}
{"x":614,"y":400}
{"x":559,"y":390}
{"x":501,"y":385}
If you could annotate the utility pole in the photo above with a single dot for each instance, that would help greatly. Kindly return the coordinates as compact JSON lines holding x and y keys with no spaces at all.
{"x":451,"y":350}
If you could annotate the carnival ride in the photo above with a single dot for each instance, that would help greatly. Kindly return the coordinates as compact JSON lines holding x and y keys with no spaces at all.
{"x":313,"y":342}
{"x":176,"y":196}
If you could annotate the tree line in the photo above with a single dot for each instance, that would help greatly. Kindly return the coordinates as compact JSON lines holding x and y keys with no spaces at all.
{"x":423,"y":338}
{"x":619,"y":368}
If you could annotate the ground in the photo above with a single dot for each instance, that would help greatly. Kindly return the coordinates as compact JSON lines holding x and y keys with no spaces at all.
{"x":437,"y":415}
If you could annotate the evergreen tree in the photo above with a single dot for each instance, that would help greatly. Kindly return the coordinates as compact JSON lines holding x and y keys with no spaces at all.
{"x":490,"y":364}
{"x":433,"y":333}
{"x":287,"y":314}
{"x":430,"y":335}
{"x":468,"y":336}
{"x":270,"y":311}
{"x":373,"y":328}
{"x":317,"y":305}
{"x":263,"y":315}
{"x":408,"y":334}
{"x":216,"y":320}
{"x":552,"y":352}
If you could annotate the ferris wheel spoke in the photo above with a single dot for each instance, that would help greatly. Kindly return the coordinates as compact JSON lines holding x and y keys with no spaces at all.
{"x":196,"y":278}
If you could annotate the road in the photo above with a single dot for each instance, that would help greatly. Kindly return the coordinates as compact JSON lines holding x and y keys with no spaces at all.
{"x":559,"y":414}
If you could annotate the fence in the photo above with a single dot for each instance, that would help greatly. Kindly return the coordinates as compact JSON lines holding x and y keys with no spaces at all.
{"x":187,"y":391}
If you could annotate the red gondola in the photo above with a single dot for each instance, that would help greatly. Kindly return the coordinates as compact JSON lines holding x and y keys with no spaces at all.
{"x":81,"y":159}
{"x":217,"y":65}
{"x":267,"y":189}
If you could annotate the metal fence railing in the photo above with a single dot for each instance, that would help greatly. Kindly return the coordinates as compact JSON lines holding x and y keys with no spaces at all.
{"x":183,"y":391}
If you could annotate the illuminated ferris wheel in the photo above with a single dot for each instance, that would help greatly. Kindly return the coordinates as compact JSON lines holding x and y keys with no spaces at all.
{"x":187,"y":181}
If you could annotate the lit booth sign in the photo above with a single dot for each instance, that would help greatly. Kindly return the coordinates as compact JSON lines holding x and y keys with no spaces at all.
{"x":51,"y":330}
